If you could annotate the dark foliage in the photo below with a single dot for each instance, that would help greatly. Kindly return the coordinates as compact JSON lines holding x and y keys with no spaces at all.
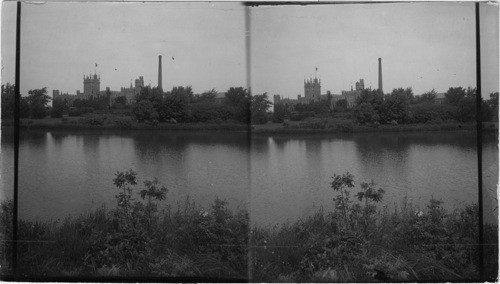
{"x":259,"y":107}
{"x":37,"y":102}
{"x":8,"y":103}
{"x":280,"y":111}
{"x":58,"y":108}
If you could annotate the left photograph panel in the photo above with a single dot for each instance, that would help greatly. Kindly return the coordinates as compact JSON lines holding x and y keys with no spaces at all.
{"x":133,"y":147}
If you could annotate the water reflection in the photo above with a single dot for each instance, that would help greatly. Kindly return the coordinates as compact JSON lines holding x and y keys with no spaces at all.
{"x":290,"y":177}
{"x":278,"y":177}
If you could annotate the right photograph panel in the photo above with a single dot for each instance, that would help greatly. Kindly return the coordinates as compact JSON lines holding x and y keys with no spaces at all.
{"x":365,"y":167}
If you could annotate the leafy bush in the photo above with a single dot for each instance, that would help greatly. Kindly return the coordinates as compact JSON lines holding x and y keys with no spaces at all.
{"x":144,"y":111}
{"x":80,"y":111}
{"x":124,"y":122}
{"x":365,"y":113}
{"x":201,"y":112}
{"x":58,"y":107}
{"x":93,"y":120}
{"x":355,"y":242}
{"x":313,"y":123}
{"x":344,"y":126}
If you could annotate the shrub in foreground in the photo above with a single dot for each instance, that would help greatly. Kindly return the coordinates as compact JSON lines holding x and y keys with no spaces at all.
{"x":356,"y":242}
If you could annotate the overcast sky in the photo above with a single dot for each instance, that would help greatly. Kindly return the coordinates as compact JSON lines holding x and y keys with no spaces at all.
{"x":202,"y":44}
{"x":422,"y":45}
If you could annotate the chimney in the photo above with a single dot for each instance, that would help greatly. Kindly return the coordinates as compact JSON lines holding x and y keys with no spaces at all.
{"x":380,"y":75}
{"x":159,"y":73}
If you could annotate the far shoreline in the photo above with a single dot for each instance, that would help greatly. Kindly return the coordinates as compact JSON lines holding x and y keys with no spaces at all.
{"x":269,"y":128}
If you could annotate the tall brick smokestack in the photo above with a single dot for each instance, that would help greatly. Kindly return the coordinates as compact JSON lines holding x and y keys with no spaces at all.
{"x":159,"y":73}
{"x":380,"y":75}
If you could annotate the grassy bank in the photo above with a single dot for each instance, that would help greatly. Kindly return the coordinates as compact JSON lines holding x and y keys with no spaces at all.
{"x":308,"y":126}
{"x":357,"y":242}
{"x":107,"y":122}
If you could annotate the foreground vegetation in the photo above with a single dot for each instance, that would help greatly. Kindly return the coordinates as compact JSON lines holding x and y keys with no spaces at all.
{"x":357,"y":241}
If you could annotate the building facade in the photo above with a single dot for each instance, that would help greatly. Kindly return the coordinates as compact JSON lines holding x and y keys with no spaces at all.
{"x":352,"y":95}
{"x":312,"y":89}
{"x":91,"y":86}
{"x":91,"y":89}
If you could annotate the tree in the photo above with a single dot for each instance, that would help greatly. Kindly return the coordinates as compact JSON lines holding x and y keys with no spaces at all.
{"x":236,"y":96}
{"x":428,"y":97}
{"x":466,"y":111}
{"x":181,"y":93}
{"x":120,"y":102}
{"x":58,"y":108}
{"x":175,"y":105}
{"x":108,"y":98}
{"x":239,"y":100}
{"x":493,"y":101}
{"x":373,"y":97}
{"x":124,"y":181}
{"x":486,"y":111}
{"x":37,"y":101}
{"x":329,"y":99}
{"x":207,"y":97}
{"x":493,"y":104}
{"x":370,"y":194}
{"x":154,"y":190}
{"x":99,"y":102}
{"x":8,"y":97}
{"x":396,"y":106}
{"x":342,"y":103}
{"x":341,"y":184}
{"x":144,"y":111}
{"x":259,"y":106}
{"x":280,"y":110}
{"x":154,"y":95}
{"x":365,"y":113}
{"x":454,"y":95}
{"x":405,"y":95}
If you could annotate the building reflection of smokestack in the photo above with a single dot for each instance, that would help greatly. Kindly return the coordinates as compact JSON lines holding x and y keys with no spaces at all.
{"x":159,"y":73}
{"x":380,"y":75}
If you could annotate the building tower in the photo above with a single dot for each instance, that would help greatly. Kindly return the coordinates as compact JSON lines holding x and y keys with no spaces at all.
{"x":91,"y":86}
{"x":159,"y":73}
{"x":139,"y":83}
{"x":380,"y":75}
{"x":312,"y":90}
{"x":360,"y":85}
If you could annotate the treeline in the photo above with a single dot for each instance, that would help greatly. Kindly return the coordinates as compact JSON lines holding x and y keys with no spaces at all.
{"x":34,"y":105}
{"x":151,"y":105}
{"x":401,"y":106}
{"x":181,"y":105}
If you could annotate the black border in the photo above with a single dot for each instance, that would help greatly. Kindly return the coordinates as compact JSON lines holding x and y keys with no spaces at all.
{"x":479,"y":145}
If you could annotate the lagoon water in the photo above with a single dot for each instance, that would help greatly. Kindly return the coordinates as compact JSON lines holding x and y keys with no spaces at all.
{"x":276,"y":177}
